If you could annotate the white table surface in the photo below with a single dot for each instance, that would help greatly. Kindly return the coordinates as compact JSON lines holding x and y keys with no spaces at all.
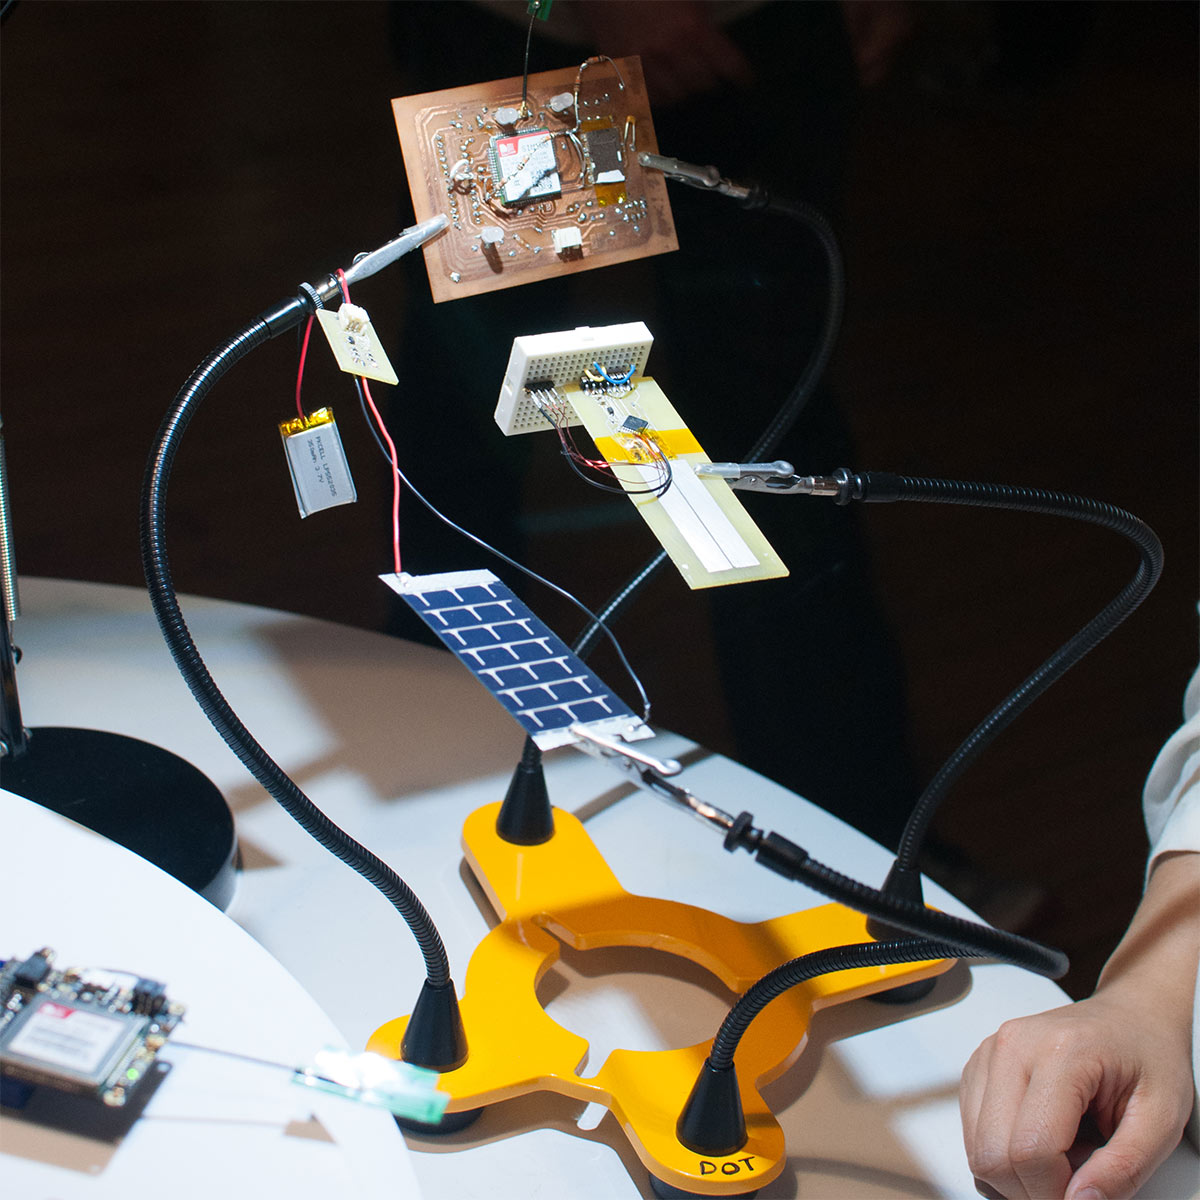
{"x":398,"y":744}
{"x":216,"y":1126}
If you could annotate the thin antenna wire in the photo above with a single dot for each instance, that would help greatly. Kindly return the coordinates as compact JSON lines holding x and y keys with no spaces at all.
{"x":534,"y":8}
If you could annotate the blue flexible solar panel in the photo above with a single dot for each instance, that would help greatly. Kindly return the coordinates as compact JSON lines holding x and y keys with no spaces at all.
{"x":520,"y":660}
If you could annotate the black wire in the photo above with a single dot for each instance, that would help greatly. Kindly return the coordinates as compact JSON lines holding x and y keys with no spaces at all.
{"x":534,"y":6}
{"x":658,"y":490}
{"x":937,"y":935}
{"x":798,"y":398}
{"x":191,"y":665}
{"x":961,"y":937}
{"x":617,"y":604}
{"x":598,"y":623}
{"x":570,"y":451}
{"x":953,"y":936}
{"x":808,"y":966}
{"x":1021,"y":499}
{"x":967,"y":937}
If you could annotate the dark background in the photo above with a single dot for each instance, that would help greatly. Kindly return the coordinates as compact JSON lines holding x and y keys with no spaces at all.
{"x":1021,"y":238}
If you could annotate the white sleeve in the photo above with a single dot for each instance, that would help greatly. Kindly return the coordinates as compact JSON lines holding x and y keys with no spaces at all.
{"x":1171,"y":799}
{"x":1171,"y":802}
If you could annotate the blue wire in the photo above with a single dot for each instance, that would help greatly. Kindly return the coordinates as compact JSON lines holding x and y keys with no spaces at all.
{"x":624,"y":379}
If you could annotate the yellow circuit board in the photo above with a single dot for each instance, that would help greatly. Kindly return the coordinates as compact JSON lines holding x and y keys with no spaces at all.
{"x":700,"y":523}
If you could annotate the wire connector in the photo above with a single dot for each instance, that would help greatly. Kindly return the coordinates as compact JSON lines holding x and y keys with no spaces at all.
{"x":771,"y":850}
{"x":404,"y":1090}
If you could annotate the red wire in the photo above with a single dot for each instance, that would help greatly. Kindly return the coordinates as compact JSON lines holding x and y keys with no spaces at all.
{"x":300,"y":369}
{"x":395,"y":475}
{"x":387,"y":437}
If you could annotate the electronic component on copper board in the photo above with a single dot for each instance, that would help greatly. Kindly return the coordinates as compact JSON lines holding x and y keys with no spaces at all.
{"x":538,"y":187}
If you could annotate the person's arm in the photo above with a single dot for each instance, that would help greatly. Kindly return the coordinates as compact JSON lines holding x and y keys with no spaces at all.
{"x":1122,"y":1057}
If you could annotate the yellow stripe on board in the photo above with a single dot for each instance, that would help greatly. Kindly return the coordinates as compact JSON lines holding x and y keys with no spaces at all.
{"x":673,"y":443}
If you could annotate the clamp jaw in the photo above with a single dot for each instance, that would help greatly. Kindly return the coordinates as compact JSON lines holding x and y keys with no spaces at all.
{"x":707,"y":179}
{"x":778,"y":478}
{"x":650,"y":774}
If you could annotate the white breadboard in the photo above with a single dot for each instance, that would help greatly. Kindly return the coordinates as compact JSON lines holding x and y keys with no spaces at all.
{"x":558,"y":359}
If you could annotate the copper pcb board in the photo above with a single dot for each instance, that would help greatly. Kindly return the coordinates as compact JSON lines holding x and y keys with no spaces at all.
{"x":547,"y":189}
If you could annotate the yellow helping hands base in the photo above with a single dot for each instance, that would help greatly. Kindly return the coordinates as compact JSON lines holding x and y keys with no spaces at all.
{"x":563,"y":889}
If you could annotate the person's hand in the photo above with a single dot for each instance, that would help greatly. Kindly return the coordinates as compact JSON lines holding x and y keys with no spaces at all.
{"x":1119,"y":1061}
{"x":683,"y":53}
{"x":1027,"y":1088}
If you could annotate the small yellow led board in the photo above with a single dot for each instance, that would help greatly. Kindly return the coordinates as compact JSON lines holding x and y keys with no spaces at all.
{"x":355,"y":344}
{"x":593,"y":377}
{"x":317,"y":462}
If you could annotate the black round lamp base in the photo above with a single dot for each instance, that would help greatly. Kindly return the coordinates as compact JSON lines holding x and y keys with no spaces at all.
{"x":142,"y":796}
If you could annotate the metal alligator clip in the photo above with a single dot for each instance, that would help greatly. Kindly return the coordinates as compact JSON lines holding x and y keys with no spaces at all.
{"x":413,"y":237}
{"x":621,"y":754}
{"x":649,"y":774}
{"x":708,"y":179}
{"x":776,"y":477}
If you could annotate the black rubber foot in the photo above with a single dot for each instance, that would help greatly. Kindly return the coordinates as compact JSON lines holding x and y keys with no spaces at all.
{"x":712,"y":1123}
{"x":144,"y":797}
{"x":906,"y":993}
{"x":900,"y":884}
{"x":668,"y":1191}
{"x":903,"y":885}
{"x":435,"y":1037}
{"x":450,"y":1123}
{"x":526,"y":818}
